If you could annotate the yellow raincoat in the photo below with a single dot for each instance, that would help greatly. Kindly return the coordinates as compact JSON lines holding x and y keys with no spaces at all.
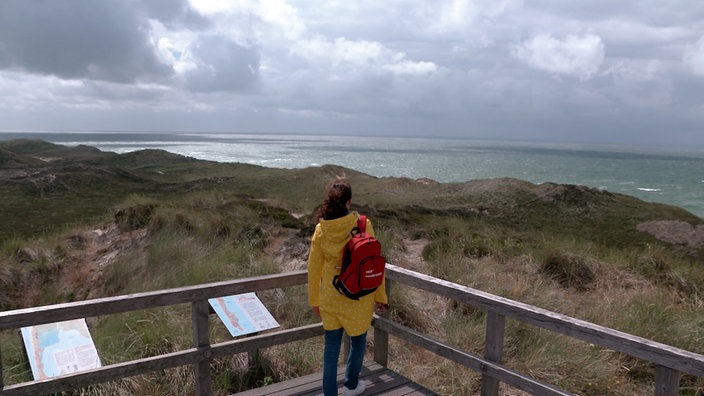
{"x":324,"y":262}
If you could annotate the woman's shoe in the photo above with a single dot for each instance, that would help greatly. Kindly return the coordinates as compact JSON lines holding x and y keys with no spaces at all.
{"x":354,"y":392}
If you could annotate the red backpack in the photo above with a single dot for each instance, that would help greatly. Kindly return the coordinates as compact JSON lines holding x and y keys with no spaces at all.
{"x":362,"y":268}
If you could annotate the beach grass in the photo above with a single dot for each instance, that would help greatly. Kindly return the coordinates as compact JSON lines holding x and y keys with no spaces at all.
{"x":162,"y":221}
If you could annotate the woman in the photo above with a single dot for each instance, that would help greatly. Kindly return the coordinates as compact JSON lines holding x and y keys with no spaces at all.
{"x":339,"y":313}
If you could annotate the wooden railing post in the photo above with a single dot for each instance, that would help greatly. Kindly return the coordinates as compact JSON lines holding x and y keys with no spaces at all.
{"x":493,"y":350}
{"x":253,"y":359}
{"x":2,"y":384}
{"x":667,"y":381}
{"x":345,"y":347}
{"x":381,"y":337}
{"x":200,"y":312}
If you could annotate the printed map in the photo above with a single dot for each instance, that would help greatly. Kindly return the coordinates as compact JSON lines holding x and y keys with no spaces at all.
{"x":59,"y":348}
{"x":243,"y":314}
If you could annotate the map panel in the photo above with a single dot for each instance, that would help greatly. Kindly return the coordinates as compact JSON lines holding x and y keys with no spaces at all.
{"x":60,"y":348}
{"x":243,"y":314}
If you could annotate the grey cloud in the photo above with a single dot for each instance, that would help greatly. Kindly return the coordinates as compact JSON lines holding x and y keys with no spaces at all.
{"x":216,"y":63}
{"x":120,"y":93}
{"x":693,"y":57}
{"x":641,"y":80}
{"x":176,"y":13}
{"x":573,"y":55}
{"x":651,"y":12}
{"x":103,"y":40}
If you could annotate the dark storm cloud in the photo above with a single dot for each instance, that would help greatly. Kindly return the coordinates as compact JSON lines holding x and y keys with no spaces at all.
{"x":599,"y":70}
{"x":102,"y":40}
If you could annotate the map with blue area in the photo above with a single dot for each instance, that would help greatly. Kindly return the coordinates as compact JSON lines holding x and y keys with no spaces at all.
{"x":243,"y":314}
{"x":55,"y":349}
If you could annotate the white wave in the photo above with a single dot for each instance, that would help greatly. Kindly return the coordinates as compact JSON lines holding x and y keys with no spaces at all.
{"x":649,"y":189}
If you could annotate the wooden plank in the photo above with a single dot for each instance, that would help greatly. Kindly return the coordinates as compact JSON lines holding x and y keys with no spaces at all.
{"x":408,"y":389}
{"x":18,"y":318}
{"x":305,"y":385}
{"x":296,"y":386}
{"x":147,"y":365}
{"x":493,"y":350}
{"x":2,"y":383}
{"x":667,"y":381}
{"x":103,"y":374}
{"x":381,"y":338}
{"x":200,"y":320}
{"x":477,"y":363}
{"x":382,"y":380}
{"x":381,"y":346}
{"x":670,"y":361}
{"x":379,"y":380}
{"x":265,"y":340}
{"x":660,"y":354}
{"x":346,"y":345}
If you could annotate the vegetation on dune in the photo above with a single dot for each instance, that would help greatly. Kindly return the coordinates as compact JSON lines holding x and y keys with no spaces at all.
{"x":77,"y":223}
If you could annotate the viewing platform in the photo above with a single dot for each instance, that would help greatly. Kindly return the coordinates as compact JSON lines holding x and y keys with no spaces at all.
{"x":668,"y":363}
{"x":378,"y":379}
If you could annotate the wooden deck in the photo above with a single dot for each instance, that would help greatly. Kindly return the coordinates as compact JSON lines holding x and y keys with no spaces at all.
{"x":379,"y":381}
{"x":669,"y":363}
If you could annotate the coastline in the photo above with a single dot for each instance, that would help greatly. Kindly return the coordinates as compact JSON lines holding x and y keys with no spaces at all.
{"x":670,"y":175}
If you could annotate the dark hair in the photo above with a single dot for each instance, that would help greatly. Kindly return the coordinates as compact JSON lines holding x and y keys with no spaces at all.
{"x":337,"y":193}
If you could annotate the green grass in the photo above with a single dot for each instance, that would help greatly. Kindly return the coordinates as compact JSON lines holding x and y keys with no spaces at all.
{"x":564,"y":248}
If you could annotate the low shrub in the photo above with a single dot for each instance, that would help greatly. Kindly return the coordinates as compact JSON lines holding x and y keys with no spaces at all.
{"x":569,"y":270}
{"x":134,"y":217}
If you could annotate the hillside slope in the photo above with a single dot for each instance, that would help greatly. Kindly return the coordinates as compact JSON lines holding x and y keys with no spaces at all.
{"x":78,"y":224}
{"x":52,"y":184}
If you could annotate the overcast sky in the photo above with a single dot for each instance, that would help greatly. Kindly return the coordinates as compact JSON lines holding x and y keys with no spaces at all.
{"x":599,"y":71}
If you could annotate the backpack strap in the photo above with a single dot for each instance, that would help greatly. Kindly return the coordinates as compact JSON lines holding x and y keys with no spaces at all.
{"x":362,"y":223}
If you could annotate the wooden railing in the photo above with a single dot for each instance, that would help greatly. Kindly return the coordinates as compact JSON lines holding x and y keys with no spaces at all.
{"x":670,"y":362}
{"x":199,"y":356}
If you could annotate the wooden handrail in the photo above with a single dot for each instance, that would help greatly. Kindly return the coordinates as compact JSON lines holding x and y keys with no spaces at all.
{"x":161,"y":362}
{"x":642,"y":348}
{"x":138,"y":301}
{"x":670,"y":362}
{"x":477,"y":363}
{"x":199,"y":356}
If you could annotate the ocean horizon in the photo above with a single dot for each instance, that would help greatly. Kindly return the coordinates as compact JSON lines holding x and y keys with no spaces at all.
{"x":669,"y":175}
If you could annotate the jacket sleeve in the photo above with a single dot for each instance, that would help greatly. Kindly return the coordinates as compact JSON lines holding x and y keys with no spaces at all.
{"x":380,"y":293}
{"x":315,"y":269}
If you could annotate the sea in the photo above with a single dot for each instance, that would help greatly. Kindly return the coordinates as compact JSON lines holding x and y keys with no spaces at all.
{"x":670,"y":175}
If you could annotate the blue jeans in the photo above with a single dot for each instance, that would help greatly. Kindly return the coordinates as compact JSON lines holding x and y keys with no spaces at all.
{"x":333,"y":344}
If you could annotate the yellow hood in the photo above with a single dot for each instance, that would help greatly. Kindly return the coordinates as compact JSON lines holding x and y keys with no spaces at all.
{"x":334,"y":234}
